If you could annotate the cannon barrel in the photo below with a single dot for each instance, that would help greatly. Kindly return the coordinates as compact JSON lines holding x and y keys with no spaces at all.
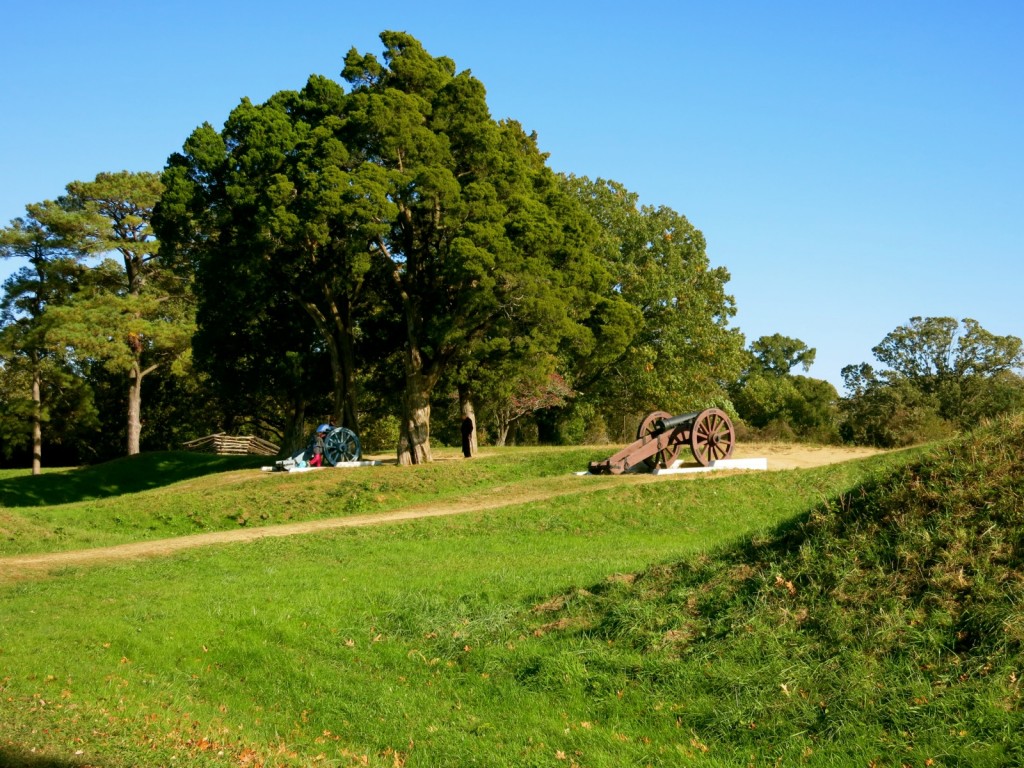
{"x":673,"y":422}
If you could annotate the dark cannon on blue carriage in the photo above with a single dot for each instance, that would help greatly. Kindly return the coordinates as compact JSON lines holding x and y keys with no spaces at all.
{"x":661,"y":436}
{"x":341,"y":445}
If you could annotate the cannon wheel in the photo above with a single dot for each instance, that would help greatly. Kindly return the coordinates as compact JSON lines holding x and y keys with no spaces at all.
{"x":712,"y":436}
{"x":664,"y":458}
{"x":342,"y":445}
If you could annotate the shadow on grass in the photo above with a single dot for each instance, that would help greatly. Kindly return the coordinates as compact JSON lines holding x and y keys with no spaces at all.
{"x":14,"y":759}
{"x":114,"y":478}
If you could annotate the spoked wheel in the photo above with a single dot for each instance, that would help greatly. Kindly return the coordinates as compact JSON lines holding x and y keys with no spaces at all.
{"x":342,"y":445}
{"x":712,"y":436}
{"x":665,"y":457}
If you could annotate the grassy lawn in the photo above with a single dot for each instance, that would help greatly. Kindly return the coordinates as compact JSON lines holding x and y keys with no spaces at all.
{"x":163,"y":495}
{"x":429,"y":643}
{"x":154,"y":496}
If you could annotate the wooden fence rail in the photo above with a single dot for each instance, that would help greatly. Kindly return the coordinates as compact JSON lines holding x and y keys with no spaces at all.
{"x":232,"y":445}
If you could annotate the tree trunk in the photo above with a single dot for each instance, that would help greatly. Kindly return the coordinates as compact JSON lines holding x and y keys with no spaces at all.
{"x":134,"y":410}
{"x":503,"y":427}
{"x":295,"y":430}
{"x":335,"y":329}
{"x":345,"y":384}
{"x":468,"y":414}
{"x":37,"y":421}
{"x":414,"y":438}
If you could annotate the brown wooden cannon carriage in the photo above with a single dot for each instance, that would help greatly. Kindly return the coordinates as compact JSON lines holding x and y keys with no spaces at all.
{"x":661,"y":436}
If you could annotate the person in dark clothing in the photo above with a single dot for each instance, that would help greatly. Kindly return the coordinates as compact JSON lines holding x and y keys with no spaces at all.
{"x":467,"y":437}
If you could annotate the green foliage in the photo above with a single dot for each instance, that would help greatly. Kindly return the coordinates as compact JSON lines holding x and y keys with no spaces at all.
{"x":665,"y":342}
{"x":112,"y":214}
{"x":268,"y":216}
{"x":941,"y":377}
{"x":581,"y":424}
{"x":36,"y":380}
{"x":892,"y":415}
{"x":130,"y":317}
{"x":405,"y":222}
{"x":379,"y":435}
{"x":778,"y":354}
{"x":779,"y":405}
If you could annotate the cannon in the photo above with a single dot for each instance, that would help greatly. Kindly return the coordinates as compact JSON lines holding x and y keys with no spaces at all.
{"x":661,"y":436}
{"x":340,"y":445}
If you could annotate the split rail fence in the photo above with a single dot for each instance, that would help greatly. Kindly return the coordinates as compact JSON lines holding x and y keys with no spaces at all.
{"x":232,"y":445}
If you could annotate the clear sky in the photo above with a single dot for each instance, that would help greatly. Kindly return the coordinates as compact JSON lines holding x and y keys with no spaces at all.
{"x":852,"y":164}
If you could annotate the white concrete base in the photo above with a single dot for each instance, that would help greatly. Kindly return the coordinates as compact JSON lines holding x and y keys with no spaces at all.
{"x":678,"y":469}
{"x":675,"y":469}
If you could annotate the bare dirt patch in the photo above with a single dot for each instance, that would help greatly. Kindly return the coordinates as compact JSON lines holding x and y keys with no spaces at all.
{"x":795,"y":456}
{"x":780,"y":457}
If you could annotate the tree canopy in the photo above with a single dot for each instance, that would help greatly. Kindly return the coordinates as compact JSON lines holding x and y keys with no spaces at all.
{"x":941,"y":375}
{"x":132,"y":315}
{"x":400,"y":204}
{"x":667,"y":343}
{"x":32,"y":360}
{"x":779,"y":404}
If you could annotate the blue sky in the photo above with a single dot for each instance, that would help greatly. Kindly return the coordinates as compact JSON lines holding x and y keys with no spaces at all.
{"x":852,"y":164}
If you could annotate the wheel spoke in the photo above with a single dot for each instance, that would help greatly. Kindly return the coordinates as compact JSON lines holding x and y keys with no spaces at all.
{"x":342,"y":445}
{"x":667,"y":455}
{"x":711,"y":436}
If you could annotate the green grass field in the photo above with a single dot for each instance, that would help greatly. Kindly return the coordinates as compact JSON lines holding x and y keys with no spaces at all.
{"x":713,"y":621}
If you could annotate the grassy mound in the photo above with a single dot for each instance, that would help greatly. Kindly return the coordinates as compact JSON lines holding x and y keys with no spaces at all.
{"x":129,"y":474}
{"x":886,"y":626}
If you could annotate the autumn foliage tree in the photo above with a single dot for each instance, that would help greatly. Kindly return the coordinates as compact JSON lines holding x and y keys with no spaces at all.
{"x":525,"y":397}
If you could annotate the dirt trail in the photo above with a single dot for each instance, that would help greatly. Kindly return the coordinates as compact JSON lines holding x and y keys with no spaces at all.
{"x":779,"y":457}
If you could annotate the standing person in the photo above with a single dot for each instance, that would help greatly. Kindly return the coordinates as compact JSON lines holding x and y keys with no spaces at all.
{"x":467,"y":437}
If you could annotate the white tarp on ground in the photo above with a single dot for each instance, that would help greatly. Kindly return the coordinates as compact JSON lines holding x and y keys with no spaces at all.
{"x":339,"y":465}
{"x":675,"y":469}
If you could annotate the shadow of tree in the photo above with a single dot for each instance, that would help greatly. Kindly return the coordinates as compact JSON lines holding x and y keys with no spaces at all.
{"x":130,"y":474}
{"x":10,"y":758}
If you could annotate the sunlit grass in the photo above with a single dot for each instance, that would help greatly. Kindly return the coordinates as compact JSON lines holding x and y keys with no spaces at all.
{"x":758,"y":619}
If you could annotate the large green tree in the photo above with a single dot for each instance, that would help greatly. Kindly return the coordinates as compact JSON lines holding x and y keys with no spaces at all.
{"x":769,"y":397}
{"x":399,"y":205}
{"x":959,"y":364}
{"x":480,"y":229}
{"x":668,"y":345}
{"x":273,"y":204}
{"x":939,"y":374}
{"x":132,"y":315}
{"x":779,"y":355}
{"x":51,"y":275}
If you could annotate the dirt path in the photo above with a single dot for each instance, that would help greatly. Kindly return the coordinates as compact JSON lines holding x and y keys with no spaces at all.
{"x":26,"y":566}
